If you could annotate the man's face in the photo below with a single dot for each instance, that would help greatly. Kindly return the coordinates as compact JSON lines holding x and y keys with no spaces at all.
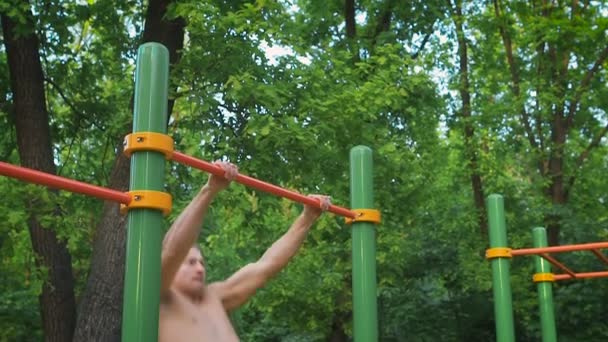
{"x":190,"y":277}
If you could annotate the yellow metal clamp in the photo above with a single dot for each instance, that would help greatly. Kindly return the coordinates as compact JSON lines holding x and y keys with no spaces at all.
{"x":148,"y":141}
{"x":543,"y":277}
{"x":365,"y":215}
{"x":498,"y":252}
{"x":148,"y":199}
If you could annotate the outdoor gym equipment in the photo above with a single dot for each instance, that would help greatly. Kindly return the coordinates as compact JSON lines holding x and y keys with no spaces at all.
{"x":499,"y":255}
{"x":146,"y":204}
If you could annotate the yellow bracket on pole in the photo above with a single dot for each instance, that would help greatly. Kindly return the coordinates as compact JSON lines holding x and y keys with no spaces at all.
{"x":148,"y":199}
{"x":543,"y":277}
{"x":148,"y":141}
{"x":498,"y":252}
{"x":365,"y":215}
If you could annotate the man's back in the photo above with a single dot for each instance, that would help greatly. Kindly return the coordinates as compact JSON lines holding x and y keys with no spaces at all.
{"x":183,"y":320}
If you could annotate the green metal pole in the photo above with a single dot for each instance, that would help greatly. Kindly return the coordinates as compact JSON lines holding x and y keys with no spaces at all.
{"x":142,"y":273}
{"x":503,"y":306}
{"x":544,"y":288}
{"x":363,"y":247}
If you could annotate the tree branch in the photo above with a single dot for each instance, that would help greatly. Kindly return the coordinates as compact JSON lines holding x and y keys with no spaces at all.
{"x":81,"y":115}
{"x":574,"y":9}
{"x":349,"y":18}
{"x":351,"y":28}
{"x":384,"y":21}
{"x":585,"y":154}
{"x":234,"y":110}
{"x":584,"y":84}
{"x":424,"y":41}
{"x":74,"y":136}
{"x":514,"y":70}
{"x":451,"y":7}
{"x":469,"y":128}
{"x":538,"y":116}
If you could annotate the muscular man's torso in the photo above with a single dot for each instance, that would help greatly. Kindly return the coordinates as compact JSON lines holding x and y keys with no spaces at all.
{"x":181,"y":320}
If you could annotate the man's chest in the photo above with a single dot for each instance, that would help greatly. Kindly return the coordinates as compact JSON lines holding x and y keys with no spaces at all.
{"x":206,"y":321}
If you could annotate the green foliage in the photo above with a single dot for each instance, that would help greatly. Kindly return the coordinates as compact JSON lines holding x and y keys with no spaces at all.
{"x":21,"y":279}
{"x":291,"y":120}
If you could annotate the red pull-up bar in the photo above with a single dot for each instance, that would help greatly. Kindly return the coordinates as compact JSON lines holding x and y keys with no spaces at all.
{"x":582,"y":275}
{"x":560,"y":249}
{"x":57,"y":182}
{"x":568,"y":273}
{"x":258,"y":184}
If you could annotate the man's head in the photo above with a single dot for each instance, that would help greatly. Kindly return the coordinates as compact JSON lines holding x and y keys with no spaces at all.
{"x":190,"y":277}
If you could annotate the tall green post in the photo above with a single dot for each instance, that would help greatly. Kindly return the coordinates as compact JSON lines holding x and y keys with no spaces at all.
{"x":142,"y":274}
{"x":363,"y":247}
{"x":544,"y":280}
{"x":503,"y":306}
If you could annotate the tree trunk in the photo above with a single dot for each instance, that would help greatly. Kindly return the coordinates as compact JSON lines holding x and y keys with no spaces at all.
{"x":556,"y":189}
{"x":57,"y":302}
{"x":383,"y":23}
{"x":351,"y":28}
{"x":349,"y":18}
{"x":337,"y":330}
{"x":100,"y":310}
{"x":338,"y":333}
{"x":469,"y":129}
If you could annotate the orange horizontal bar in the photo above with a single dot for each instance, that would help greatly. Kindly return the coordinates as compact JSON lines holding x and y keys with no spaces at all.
{"x":560,"y":249}
{"x":258,"y":184}
{"x":582,"y":275}
{"x":57,"y":182}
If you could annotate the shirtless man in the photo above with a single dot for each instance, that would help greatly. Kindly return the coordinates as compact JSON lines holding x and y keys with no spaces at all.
{"x":190,"y":310}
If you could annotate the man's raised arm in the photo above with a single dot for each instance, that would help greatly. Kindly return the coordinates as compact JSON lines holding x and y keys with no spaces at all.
{"x":184,"y":232}
{"x":237,"y":289}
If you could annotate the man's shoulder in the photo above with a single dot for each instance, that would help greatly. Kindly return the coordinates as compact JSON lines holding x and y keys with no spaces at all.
{"x":215,"y":289}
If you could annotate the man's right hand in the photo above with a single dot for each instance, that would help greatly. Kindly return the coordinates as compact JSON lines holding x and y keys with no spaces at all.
{"x":313,"y":212}
{"x":215,"y":183}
